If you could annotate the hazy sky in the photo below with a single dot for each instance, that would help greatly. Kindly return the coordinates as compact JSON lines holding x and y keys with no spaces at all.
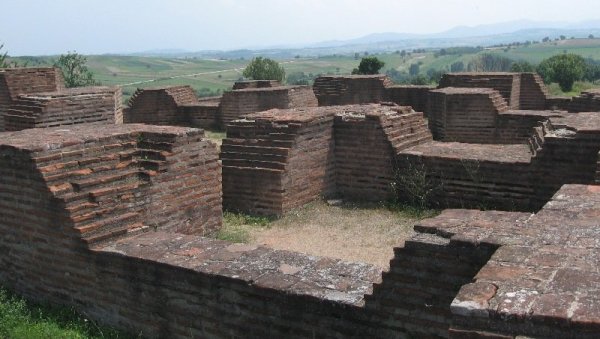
{"x":30,"y":27}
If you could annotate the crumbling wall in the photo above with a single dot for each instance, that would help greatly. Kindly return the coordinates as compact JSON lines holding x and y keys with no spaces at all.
{"x":366,"y":141}
{"x":508,"y":84}
{"x":86,"y":105}
{"x":351,"y":89}
{"x":159,"y":106}
{"x":568,"y":156}
{"x":464,"y":114}
{"x":276,"y":160}
{"x":15,"y":81}
{"x":238,"y":103}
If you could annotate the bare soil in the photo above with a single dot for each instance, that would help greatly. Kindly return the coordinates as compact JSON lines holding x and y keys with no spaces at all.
{"x":358,"y":233}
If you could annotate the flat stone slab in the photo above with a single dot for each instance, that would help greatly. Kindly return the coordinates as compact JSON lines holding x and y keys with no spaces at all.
{"x":586,"y":122}
{"x":40,"y":139}
{"x":291,"y":272}
{"x":515,"y":153}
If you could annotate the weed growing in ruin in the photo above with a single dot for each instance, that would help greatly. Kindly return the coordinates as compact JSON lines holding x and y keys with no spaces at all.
{"x":22,"y":319}
{"x":413,"y":185}
{"x":235,"y":226}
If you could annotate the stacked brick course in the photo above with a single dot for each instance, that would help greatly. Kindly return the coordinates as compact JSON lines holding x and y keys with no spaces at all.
{"x":465,"y":114}
{"x":366,"y":141}
{"x":276,"y":160}
{"x":351,"y":89}
{"x":256,"y":84}
{"x":508,"y":84}
{"x":160,"y":106}
{"x":237,"y":103}
{"x":115,"y":179}
{"x":16,"y":81}
{"x":409,"y":95}
{"x":87,"y":105}
{"x":472,"y":175}
{"x":541,"y":281}
{"x":533,"y":94}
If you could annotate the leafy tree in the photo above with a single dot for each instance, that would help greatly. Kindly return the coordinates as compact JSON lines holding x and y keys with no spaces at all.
{"x":413,"y":69}
{"x":564,"y":69}
{"x":261,"y":68}
{"x":489,"y":63}
{"x":458,"y":66}
{"x":74,"y":70}
{"x":522,"y":66}
{"x":592,"y":70}
{"x":299,"y":78}
{"x":369,"y":65}
{"x":5,"y":63}
{"x":434,"y":75}
{"x":591,"y":36}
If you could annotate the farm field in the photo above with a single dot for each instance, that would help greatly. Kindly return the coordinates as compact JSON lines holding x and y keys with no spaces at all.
{"x":213,"y":76}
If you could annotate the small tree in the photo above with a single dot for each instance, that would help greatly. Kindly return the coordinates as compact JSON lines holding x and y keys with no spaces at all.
{"x":369,"y":65}
{"x":261,"y":68}
{"x":522,"y":66}
{"x":74,"y":70}
{"x":564,"y":69}
{"x":3,"y":56}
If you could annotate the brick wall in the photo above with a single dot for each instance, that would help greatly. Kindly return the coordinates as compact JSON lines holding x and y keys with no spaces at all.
{"x":464,"y":114}
{"x":256,"y":84}
{"x":508,"y":84}
{"x":15,"y":81}
{"x":159,"y":106}
{"x":280,"y":159}
{"x":237,"y":103}
{"x":365,"y":146}
{"x":409,"y":95}
{"x":351,"y":89}
{"x":97,"y":105}
{"x":533,"y":92}
{"x":277,"y":160}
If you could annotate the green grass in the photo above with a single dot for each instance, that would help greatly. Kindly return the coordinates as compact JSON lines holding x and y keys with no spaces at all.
{"x":22,"y":319}
{"x":578,"y":87}
{"x":235,"y":226}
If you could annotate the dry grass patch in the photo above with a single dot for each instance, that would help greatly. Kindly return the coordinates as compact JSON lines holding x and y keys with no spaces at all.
{"x":352,"y":232}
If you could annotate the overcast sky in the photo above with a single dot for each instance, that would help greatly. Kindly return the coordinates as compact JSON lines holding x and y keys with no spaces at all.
{"x":30,"y":27}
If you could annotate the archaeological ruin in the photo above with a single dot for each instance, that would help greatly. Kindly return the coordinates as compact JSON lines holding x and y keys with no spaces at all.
{"x":107,"y":208}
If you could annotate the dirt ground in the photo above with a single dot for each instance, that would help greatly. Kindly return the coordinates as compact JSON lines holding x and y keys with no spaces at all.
{"x":349,"y":232}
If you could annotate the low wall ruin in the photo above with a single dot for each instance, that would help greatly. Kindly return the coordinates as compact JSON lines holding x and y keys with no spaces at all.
{"x":108,"y":208}
{"x":351,"y":89}
{"x":16,"y":81}
{"x":464,"y":114}
{"x":85,"y":105}
{"x":237,"y":103}
{"x":277,"y":160}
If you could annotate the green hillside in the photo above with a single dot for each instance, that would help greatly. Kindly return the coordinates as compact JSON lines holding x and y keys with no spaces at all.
{"x":212,"y":76}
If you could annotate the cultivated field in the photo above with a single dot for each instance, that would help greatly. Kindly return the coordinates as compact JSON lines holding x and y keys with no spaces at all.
{"x":212,"y":76}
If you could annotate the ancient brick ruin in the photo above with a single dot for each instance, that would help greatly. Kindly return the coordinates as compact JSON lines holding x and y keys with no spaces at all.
{"x":277,"y":160}
{"x":110,"y":218}
{"x":179,"y":105}
{"x":37,"y":98}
